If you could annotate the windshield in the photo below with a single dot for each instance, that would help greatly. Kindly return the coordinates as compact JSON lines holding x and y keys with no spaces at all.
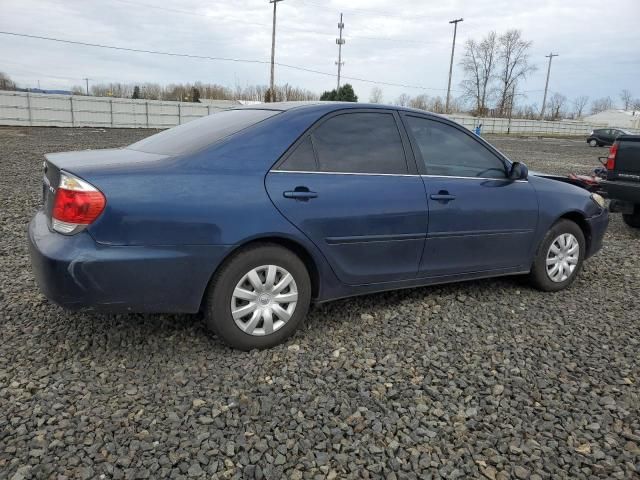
{"x":198,"y":134}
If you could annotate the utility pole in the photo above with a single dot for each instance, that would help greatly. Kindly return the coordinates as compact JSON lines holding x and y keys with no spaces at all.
{"x":272,"y":90}
{"x":87,"y":82}
{"x":453,"y":47}
{"x":546,"y":85}
{"x":340,"y":41}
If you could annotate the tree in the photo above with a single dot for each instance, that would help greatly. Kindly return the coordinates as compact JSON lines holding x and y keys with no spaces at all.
{"x":195,"y":95}
{"x":347,"y":94}
{"x":136,"y":92}
{"x":403,"y":100}
{"x":478,"y":64}
{"x":513,"y":65}
{"x":601,"y":104}
{"x":344,"y":94}
{"x":376,"y":95}
{"x":556,"y":105}
{"x":420,"y":102}
{"x":329,"y":96}
{"x":6,"y":83}
{"x":627,"y":99}
{"x":578,"y":105}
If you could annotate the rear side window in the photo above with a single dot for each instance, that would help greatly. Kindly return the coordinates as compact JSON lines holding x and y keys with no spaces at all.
{"x":360,"y":143}
{"x":198,"y":134}
{"x":302,"y":159}
{"x":450,"y":152}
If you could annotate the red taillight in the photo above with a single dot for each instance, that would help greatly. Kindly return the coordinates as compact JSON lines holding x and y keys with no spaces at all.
{"x":76,"y":204}
{"x":77,"y":207}
{"x":611,"y":159}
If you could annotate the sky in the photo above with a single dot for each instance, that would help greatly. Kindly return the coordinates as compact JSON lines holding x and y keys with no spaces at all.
{"x":404,"y":42}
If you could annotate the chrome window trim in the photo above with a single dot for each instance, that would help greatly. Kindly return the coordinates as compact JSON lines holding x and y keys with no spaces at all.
{"x":398,"y":175}
{"x":348,"y":173}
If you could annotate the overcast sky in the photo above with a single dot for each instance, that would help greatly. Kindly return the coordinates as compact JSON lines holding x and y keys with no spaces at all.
{"x":406,"y":42}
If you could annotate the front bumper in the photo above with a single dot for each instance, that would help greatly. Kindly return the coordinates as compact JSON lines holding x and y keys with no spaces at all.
{"x":598,"y":227}
{"x":76,"y":272}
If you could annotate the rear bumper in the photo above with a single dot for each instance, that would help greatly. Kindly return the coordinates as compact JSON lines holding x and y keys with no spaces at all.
{"x":628,"y":192}
{"x":598,"y":227}
{"x":76,"y":272}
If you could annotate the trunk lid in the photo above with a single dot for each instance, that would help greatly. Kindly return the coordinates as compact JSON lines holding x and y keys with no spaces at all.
{"x":89,"y":165}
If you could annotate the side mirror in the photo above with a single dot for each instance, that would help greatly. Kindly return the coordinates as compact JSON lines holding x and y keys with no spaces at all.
{"x":519,"y":171}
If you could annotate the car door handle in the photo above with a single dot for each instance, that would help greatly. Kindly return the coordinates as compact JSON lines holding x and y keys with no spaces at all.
{"x":442,"y":196}
{"x":300,"y":193}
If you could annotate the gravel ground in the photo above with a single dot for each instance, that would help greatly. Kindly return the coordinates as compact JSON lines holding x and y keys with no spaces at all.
{"x":486,"y":379}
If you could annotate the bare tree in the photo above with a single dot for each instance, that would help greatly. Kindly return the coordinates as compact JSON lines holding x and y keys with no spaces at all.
{"x":78,"y":90}
{"x":478,"y":64}
{"x":420,"y":102}
{"x":403,"y":100}
{"x":6,"y":83}
{"x":376,"y":95}
{"x":636,"y":104}
{"x":579,"y":103}
{"x":627,"y":99}
{"x":556,"y":106}
{"x":513,"y":65}
{"x":601,"y":104}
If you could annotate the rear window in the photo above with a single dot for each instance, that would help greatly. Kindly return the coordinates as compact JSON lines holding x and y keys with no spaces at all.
{"x":198,"y":134}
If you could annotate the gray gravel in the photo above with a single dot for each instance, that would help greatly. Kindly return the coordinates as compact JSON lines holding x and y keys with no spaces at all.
{"x":484,"y":379}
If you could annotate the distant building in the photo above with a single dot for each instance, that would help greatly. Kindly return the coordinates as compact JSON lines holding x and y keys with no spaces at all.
{"x":616,"y":118}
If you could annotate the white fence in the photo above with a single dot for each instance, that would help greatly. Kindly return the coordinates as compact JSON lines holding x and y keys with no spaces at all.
{"x":47,"y":110}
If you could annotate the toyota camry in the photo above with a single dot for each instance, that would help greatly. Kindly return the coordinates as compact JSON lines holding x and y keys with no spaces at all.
{"x":252,"y":214}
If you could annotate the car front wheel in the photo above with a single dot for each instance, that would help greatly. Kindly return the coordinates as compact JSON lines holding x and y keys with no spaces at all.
{"x":559,"y":257}
{"x":259,"y":297}
{"x":593,"y":142}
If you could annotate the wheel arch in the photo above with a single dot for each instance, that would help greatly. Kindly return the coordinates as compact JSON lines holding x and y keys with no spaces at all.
{"x":290,"y":244}
{"x":581,"y":220}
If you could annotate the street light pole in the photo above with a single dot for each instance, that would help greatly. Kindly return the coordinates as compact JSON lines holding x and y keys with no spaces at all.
{"x":87,"y":82}
{"x":453,"y":47}
{"x":272,"y":91}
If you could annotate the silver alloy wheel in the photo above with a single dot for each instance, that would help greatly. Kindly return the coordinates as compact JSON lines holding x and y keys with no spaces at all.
{"x":563,"y":257}
{"x":593,"y":143}
{"x":264,"y":300}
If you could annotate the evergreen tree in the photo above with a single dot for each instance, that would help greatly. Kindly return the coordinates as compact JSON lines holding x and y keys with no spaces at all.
{"x":344,"y":94}
{"x":136,"y":92}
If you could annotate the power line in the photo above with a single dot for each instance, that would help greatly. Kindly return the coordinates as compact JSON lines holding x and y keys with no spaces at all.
{"x":291,"y":29}
{"x":206,"y":57}
{"x":366,"y":11}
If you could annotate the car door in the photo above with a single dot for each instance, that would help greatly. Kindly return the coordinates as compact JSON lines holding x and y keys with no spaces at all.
{"x":479,"y":220}
{"x":347,"y":185}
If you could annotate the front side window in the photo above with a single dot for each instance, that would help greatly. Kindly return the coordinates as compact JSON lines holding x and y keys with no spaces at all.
{"x":447,"y":151}
{"x":360,"y":143}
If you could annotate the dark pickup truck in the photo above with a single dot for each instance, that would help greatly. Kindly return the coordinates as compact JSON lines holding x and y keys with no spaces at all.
{"x":623,"y":178}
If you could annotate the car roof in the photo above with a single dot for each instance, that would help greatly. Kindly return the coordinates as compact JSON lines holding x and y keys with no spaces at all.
{"x":330,"y":106}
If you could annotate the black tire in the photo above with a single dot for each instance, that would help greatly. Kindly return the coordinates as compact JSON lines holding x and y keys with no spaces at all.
{"x":632,"y":219}
{"x":593,"y":143}
{"x":218,"y":314}
{"x":538,"y":276}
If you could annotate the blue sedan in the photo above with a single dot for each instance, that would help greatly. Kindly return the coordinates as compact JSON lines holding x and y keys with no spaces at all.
{"x":251,"y":214}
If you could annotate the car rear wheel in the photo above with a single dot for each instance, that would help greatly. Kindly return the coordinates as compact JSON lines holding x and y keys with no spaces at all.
{"x":633,"y":219}
{"x":259,"y":297}
{"x":559,"y":257}
{"x":593,"y":142}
